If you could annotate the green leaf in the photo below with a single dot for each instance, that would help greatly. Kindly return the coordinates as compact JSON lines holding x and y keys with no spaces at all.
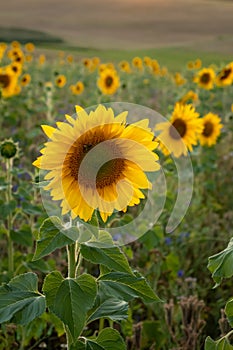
{"x":20,"y":300}
{"x":221,"y":264}
{"x":221,"y":344}
{"x":112,"y":308}
{"x":210,"y":344}
{"x":108,"y":339}
{"x":51,"y":237}
{"x":23,"y":236}
{"x":31,"y":209}
{"x":7,"y":208}
{"x":126,"y":286}
{"x":70,"y":299}
{"x":50,"y":287}
{"x":229,"y":311}
{"x":112,"y":257}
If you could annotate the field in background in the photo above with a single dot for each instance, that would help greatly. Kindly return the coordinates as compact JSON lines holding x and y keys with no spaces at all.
{"x":205,"y":25}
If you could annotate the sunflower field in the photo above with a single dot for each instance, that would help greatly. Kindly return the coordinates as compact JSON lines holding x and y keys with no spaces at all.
{"x":115,"y":203}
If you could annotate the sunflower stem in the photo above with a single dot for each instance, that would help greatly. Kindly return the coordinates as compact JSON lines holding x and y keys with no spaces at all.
{"x":9,"y":164}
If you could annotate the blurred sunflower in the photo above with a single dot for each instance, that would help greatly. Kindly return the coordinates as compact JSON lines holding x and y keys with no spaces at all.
{"x":108,"y":81}
{"x":70,"y":58}
{"x":225,"y":77}
{"x":181,"y":132}
{"x":60,"y":81}
{"x":205,"y":78}
{"x":179,"y":79}
{"x":137,"y":63}
{"x":198,"y":63}
{"x":16,"y":68}
{"x":190,"y":96}
{"x":211,"y":131}
{"x":42,"y":59}
{"x":25,"y":80}
{"x":78,"y":88}
{"x":120,"y":154}
{"x":124,"y":66}
{"x":30,"y":47}
{"x":8,"y":82}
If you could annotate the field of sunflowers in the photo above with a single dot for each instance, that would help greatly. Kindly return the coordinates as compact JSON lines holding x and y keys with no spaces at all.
{"x":96,"y":158}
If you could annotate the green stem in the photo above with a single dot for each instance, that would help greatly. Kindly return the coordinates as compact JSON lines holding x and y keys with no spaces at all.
{"x":9,"y":217}
{"x":101,"y":324}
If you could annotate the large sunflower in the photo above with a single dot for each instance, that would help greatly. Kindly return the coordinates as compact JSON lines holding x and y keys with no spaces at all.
{"x":205,"y":78}
{"x":97,"y":161}
{"x":225,"y":77}
{"x":108,"y":81}
{"x":181,"y":132}
{"x":211,"y":131}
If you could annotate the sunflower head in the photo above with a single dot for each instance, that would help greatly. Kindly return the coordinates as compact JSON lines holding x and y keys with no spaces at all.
{"x":108,"y":81}
{"x":180,"y":134}
{"x":97,"y":161}
{"x":205,"y":78}
{"x":60,"y":81}
{"x":225,"y":76}
{"x":211,"y":129}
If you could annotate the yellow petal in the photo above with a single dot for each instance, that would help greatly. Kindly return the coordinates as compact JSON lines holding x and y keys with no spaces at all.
{"x":48,"y":130}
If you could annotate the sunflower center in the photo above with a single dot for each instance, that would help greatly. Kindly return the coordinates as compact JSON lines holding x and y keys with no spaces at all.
{"x":205,"y":78}
{"x":208,"y":129}
{"x":177,"y":129}
{"x":225,"y":74}
{"x":109,"y":81}
{"x":4,"y":80}
{"x":95,"y":167}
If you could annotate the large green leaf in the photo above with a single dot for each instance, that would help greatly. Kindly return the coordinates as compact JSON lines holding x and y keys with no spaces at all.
{"x":51,"y":237}
{"x":221,"y":264}
{"x":229,"y":311}
{"x":114,"y":309}
{"x":112,"y":257}
{"x":108,"y":339}
{"x":70,"y":299}
{"x":20,"y":300}
{"x":126,"y":287}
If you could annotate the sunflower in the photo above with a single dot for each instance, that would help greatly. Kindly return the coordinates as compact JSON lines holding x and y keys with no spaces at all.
{"x":70,"y":58}
{"x":211,"y":131}
{"x":190,"y":96}
{"x":61,"y":81}
{"x":42,"y":59}
{"x":125,"y":66}
{"x":155,"y":67}
{"x":205,"y":78}
{"x":137,"y":63}
{"x":8,"y":82}
{"x":97,"y":161}
{"x":225,"y":77}
{"x":179,"y":79}
{"x":25,"y":80}
{"x":198,"y":63}
{"x":181,"y":132}
{"x":108,"y":81}
{"x":78,"y":88}
{"x":16,"y":68}
{"x":30,"y":47}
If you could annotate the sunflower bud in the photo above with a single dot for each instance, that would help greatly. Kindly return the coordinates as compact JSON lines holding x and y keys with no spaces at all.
{"x":8,"y":149}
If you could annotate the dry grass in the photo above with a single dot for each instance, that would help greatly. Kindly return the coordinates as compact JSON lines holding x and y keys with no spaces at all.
{"x":127,"y":24}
